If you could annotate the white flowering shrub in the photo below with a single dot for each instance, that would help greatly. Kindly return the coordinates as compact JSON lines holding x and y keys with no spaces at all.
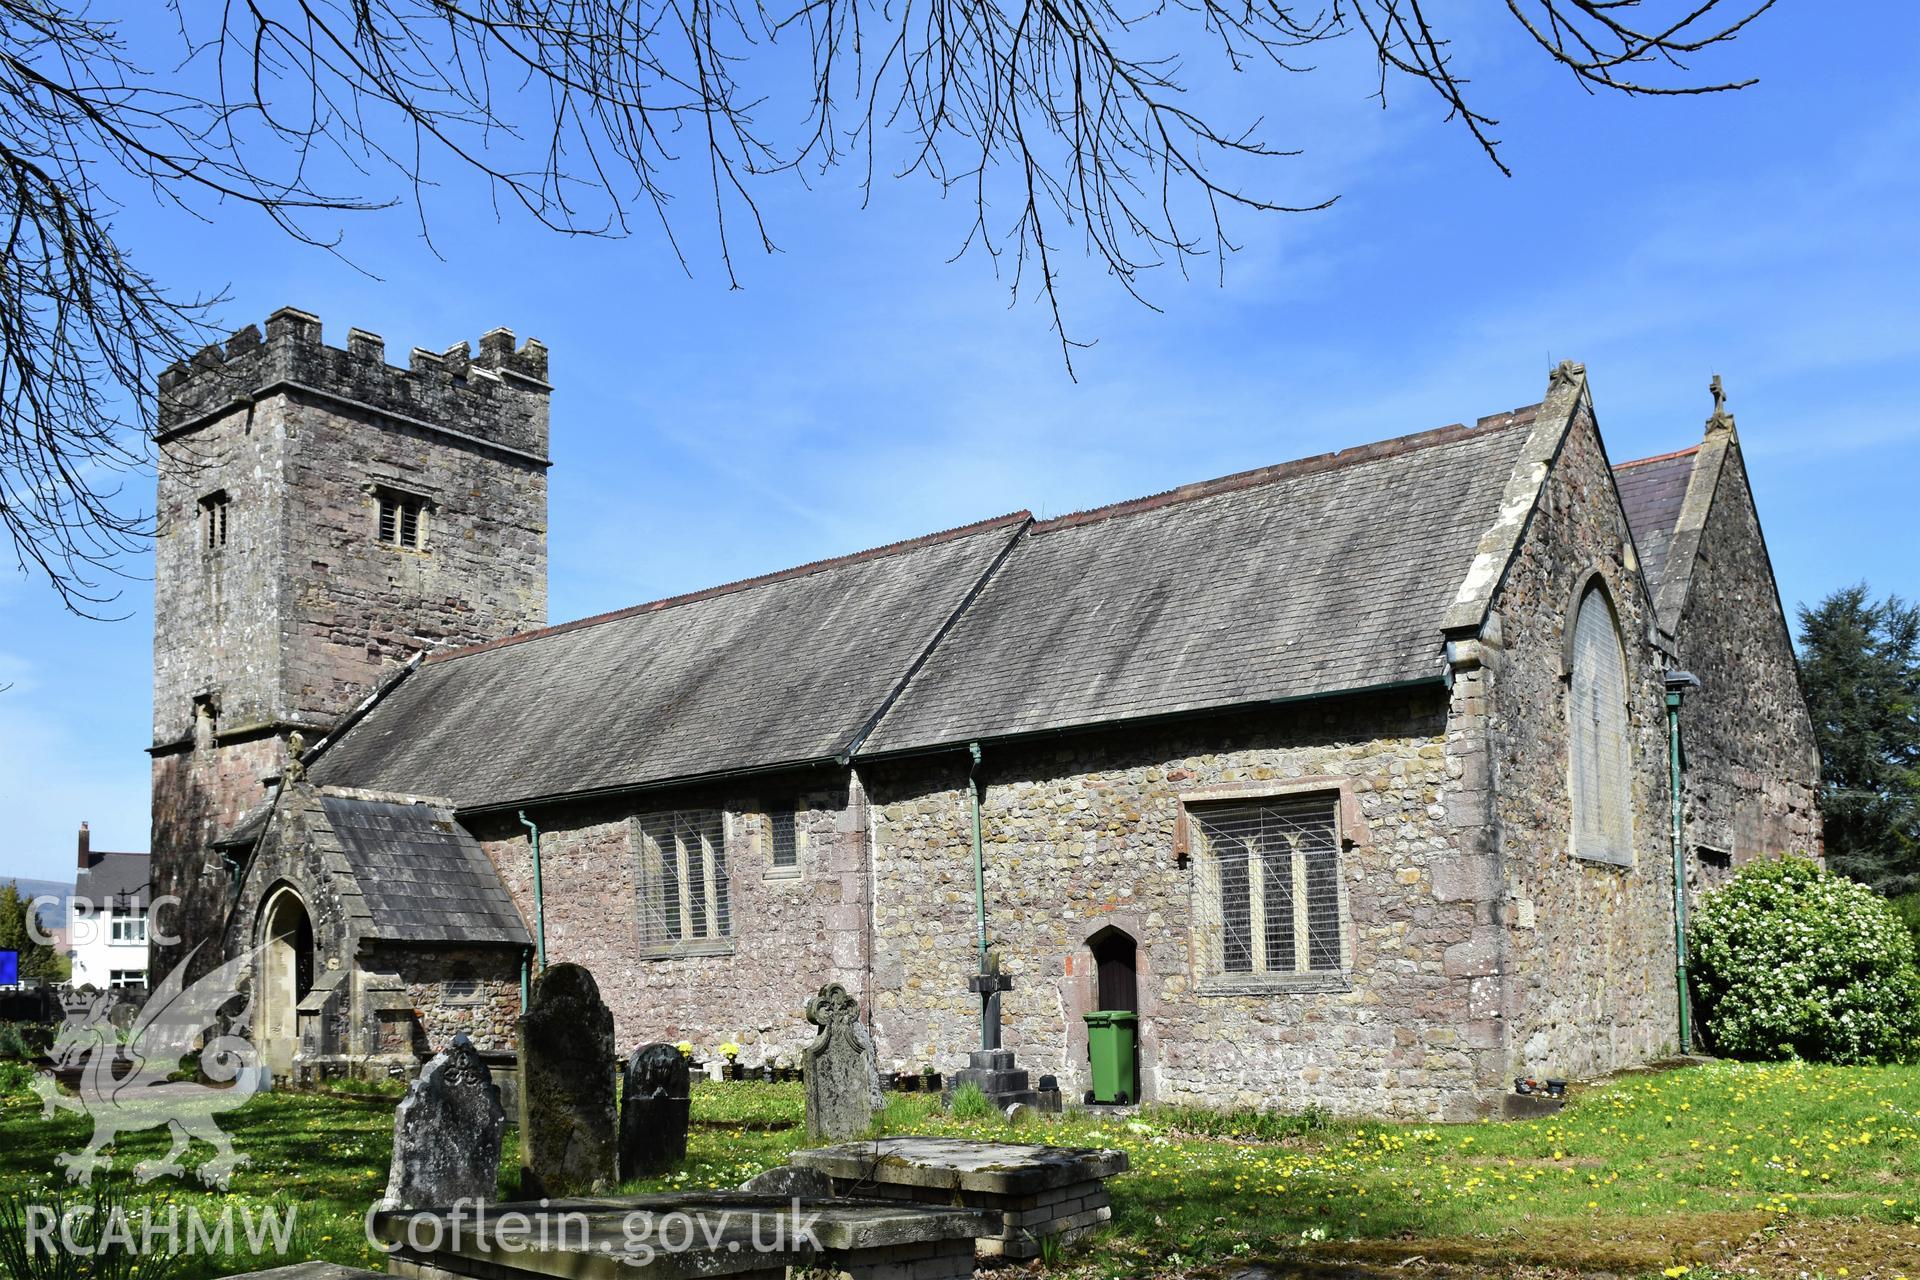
{"x":1792,"y":961}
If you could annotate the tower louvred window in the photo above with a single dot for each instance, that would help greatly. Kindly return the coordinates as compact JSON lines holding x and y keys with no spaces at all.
{"x":402,"y":520}
{"x":213,"y":521}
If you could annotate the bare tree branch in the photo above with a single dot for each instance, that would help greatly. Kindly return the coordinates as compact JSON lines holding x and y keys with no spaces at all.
{"x":1067,"y":124}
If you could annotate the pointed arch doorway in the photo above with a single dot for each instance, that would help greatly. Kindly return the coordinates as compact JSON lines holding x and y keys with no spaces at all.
{"x":1115,"y":973}
{"x":286,"y":976}
{"x":1113,"y":986}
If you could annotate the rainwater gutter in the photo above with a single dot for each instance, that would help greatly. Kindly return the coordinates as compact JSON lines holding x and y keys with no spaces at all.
{"x":539,"y":891}
{"x":1679,"y":683}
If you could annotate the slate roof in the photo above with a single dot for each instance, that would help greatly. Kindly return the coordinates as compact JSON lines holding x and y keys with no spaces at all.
{"x":1325,"y":575}
{"x":121,"y":877}
{"x":424,"y":877}
{"x":244,"y":832}
{"x":1319,"y":576}
{"x":1652,"y":490}
{"x":786,"y":669}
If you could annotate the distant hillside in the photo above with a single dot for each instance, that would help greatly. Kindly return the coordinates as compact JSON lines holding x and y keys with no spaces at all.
{"x":52,"y":916}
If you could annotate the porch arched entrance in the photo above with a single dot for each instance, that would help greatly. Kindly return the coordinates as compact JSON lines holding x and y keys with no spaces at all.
{"x":286,"y":976}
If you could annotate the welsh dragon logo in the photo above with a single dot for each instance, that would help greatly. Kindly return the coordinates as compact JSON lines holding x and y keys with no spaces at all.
{"x":124,"y":1085}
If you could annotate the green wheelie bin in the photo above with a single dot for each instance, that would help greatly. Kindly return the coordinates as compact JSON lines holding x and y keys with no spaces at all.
{"x":1110,"y":1035}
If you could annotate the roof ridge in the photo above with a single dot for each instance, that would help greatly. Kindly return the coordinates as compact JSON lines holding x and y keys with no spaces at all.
{"x":1339,"y":459}
{"x":728,"y":588}
{"x":1658,"y":457}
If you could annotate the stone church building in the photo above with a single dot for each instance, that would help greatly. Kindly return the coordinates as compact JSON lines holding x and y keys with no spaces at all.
{"x":1350,"y":775}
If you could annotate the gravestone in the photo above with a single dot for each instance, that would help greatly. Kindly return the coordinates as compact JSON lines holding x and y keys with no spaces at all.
{"x":843,"y":1082}
{"x":569,"y":1124}
{"x":446,"y":1133}
{"x":654,"y":1100}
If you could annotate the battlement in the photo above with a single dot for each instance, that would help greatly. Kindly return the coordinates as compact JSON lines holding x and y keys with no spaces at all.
{"x":498,"y":396}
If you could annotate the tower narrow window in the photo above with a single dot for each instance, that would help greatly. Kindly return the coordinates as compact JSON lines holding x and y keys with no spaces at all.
{"x":213,"y":520}
{"x":1601,"y":759}
{"x":402,"y":521}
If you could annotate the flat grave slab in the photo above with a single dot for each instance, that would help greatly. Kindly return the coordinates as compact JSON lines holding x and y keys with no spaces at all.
{"x":310,"y":1271}
{"x":680,"y":1236}
{"x":1028,"y":1191}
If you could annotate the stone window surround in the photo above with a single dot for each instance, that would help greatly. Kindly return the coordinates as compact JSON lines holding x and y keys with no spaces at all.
{"x":462,"y":988}
{"x":799,"y":806}
{"x":215,"y":521}
{"x":1351,"y":827}
{"x":1713,"y":855}
{"x":1589,"y":579}
{"x":380,"y":492}
{"x":696,"y":948}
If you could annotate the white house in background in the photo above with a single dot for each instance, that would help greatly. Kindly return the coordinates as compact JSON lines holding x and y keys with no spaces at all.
{"x":107,"y":918}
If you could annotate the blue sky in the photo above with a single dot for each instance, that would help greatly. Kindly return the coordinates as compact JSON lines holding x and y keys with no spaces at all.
{"x":861,"y":387}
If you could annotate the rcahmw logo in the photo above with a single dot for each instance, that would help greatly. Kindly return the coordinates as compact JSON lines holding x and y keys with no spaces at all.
{"x":83,"y":1232}
{"x":124,"y":1084}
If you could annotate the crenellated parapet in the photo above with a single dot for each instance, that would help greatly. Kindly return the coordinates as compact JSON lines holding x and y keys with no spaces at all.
{"x":496,"y":396}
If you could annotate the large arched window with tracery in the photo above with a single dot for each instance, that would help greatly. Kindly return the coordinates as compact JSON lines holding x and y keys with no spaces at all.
{"x":1602,"y":756}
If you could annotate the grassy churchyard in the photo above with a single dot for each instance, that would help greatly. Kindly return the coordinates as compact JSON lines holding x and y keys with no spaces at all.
{"x":1721,"y":1170}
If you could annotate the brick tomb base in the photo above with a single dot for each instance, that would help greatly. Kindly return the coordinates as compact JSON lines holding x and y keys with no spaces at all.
{"x":1025,"y":1193}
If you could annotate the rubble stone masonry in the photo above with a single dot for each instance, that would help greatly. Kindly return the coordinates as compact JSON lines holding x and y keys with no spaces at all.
{"x":1752,"y":766}
{"x":792,"y":931}
{"x":1586,"y":984}
{"x":295,"y":613}
{"x":1080,"y":836}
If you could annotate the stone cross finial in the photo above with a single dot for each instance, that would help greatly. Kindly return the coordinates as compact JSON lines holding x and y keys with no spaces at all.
{"x":1721,"y":418}
{"x":1566,"y":374}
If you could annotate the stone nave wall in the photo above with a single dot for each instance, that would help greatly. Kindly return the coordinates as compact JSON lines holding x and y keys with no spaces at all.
{"x":1081,"y":835}
{"x":791,"y":932}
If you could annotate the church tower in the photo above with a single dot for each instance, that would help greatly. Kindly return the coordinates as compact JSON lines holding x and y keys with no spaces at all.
{"x":322,"y":517}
